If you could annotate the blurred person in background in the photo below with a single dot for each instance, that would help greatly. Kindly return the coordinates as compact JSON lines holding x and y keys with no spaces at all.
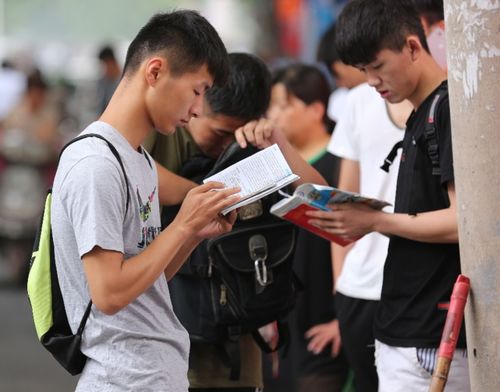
{"x":110,"y":77}
{"x":363,"y":138}
{"x":299,"y":100}
{"x":432,"y":17}
{"x":29,"y":141}
{"x":12,"y":86}
{"x":345,"y":76}
{"x":37,"y":114}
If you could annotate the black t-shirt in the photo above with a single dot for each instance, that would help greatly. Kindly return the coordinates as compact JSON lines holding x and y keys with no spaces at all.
{"x":418,"y":276}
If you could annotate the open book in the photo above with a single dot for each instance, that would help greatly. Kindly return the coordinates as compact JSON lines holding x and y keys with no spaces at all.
{"x":318,"y":197}
{"x":258,"y":175}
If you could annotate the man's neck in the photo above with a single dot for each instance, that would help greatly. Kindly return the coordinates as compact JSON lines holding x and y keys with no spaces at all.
{"x":316,"y":143}
{"x":432,"y":76}
{"x":127,"y":114}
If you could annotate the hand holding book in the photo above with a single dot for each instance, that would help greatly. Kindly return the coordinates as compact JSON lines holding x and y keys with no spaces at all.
{"x":310,"y":197}
{"x":257,"y":176}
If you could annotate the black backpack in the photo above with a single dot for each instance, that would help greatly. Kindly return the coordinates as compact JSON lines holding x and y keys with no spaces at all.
{"x":240,"y":281}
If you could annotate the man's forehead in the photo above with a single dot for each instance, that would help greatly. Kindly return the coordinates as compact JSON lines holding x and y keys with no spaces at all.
{"x":201,"y":76}
{"x":378,"y":57}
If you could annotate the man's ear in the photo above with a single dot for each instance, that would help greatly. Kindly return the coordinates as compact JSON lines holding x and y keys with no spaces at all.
{"x":155,"y":67}
{"x":317,"y":109}
{"x":414,"y":46}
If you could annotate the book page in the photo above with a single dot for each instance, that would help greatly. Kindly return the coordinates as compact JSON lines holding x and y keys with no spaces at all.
{"x":258,"y":172}
{"x":264,"y":192}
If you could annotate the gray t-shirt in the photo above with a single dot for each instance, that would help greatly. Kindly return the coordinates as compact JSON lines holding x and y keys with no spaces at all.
{"x":143,"y":347}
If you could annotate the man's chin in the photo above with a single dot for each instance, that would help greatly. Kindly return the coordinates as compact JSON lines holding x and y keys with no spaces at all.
{"x":166,"y":131}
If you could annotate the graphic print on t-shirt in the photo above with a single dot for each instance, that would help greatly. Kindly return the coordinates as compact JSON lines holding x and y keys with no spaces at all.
{"x":148,"y":233}
{"x":145,"y":209}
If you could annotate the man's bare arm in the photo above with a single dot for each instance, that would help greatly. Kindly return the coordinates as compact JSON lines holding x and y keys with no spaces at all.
{"x":172,"y":188}
{"x":349,"y":178}
{"x":262,"y":133}
{"x":351,"y":220}
{"x":114,"y":282}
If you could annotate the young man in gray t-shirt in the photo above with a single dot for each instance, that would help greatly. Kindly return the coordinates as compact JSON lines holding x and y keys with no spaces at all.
{"x":114,"y":252}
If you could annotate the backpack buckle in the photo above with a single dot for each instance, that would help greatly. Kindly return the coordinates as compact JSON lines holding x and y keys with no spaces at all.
{"x":261,"y":272}
{"x":257,"y":245}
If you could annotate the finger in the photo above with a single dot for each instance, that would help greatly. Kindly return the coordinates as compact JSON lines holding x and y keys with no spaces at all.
{"x":219,"y":205}
{"x":336,"y":347}
{"x":318,"y":345}
{"x":312,"y":332}
{"x":267,"y":128}
{"x":208,"y":186}
{"x":262,"y":132}
{"x":249,"y":131}
{"x":323,"y":214}
{"x":326,"y":225}
{"x":240,"y":138}
{"x":224,"y":223}
{"x":231,"y":217}
{"x":249,"y":136}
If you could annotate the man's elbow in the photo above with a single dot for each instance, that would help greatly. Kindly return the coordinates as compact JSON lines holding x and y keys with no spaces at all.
{"x":109,"y":304}
{"x":321,"y":181}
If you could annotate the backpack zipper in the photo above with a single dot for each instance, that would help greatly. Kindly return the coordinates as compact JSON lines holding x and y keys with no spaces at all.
{"x":223,"y":295}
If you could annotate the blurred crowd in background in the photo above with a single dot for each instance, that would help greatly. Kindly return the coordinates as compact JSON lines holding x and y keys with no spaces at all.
{"x":60,"y":63}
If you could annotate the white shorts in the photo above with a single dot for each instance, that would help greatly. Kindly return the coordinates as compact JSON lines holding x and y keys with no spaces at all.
{"x":401,"y":369}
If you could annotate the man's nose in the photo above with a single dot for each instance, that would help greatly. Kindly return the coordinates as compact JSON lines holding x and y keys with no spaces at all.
{"x":372,"y":79}
{"x":197,"y":107}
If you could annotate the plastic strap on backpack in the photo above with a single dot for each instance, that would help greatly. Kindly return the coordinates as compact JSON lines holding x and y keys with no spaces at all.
{"x":232,"y":349}
{"x":430,"y":134}
{"x":84,"y":319}
{"x":391,"y":156}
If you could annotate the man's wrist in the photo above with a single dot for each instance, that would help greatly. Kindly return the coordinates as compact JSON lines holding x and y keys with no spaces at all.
{"x":183,"y":231}
{"x":380,"y":223}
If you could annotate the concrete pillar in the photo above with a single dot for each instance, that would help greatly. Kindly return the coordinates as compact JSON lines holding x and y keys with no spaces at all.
{"x":473,"y":44}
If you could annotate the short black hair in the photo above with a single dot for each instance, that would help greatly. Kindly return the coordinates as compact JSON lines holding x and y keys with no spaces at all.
{"x":365,"y":27}
{"x":431,"y":10}
{"x":308,"y":83}
{"x":106,"y":53}
{"x":327,"y":52}
{"x":247,"y":91}
{"x":185,"y":38}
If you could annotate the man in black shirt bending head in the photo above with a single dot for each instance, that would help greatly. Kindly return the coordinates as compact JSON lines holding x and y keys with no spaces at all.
{"x":385,"y":39}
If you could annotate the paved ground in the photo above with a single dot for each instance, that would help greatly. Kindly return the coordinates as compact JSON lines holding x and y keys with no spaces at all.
{"x":25,"y":366}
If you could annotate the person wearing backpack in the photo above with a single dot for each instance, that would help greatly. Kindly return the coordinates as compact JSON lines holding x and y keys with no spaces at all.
{"x":108,"y":243}
{"x":359,"y":268}
{"x":234,"y":110}
{"x":385,"y":39}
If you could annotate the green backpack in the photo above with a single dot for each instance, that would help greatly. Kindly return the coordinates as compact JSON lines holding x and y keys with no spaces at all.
{"x":49,"y":315}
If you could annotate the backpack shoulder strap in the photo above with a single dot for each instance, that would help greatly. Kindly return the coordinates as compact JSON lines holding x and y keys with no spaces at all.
{"x":113,"y":150}
{"x":430,"y":133}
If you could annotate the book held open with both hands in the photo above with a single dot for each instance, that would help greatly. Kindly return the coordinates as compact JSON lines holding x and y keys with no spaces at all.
{"x":309,"y":197}
{"x":257,"y":176}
